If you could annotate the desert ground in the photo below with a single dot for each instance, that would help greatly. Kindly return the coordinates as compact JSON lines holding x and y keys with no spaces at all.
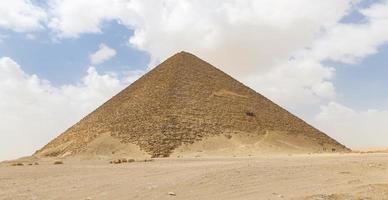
{"x":308,"y":176}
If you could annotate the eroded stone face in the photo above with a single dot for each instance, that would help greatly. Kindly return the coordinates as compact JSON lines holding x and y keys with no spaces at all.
{"x":181,"y":101}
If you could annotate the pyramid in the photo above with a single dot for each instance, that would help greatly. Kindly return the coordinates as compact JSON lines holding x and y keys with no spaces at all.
{"x":183,"y":101}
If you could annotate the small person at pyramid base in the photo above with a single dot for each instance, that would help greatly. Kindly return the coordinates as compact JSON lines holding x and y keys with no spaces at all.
{"x":185,"y":106}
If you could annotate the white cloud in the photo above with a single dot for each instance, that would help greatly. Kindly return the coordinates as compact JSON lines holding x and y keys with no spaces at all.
{"x":32,"y":111}
{"x":241,"y":37}
{"x":70,"y":18}
{"x":354,"y":128}
{"x":299,"y":85}
{"x":21,"y":16}
{"x":305,"y":80}
{"x":213,"y":30}
{"x":350,"y":43}
{"x":104,"y":53}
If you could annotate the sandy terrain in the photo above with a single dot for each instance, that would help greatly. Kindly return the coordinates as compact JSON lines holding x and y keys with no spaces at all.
{"x":334,"y":176}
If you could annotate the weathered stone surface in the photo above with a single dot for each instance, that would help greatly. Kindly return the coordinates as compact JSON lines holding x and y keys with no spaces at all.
{"x":183,"y":100}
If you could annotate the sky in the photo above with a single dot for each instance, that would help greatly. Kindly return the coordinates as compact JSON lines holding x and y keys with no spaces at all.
{"x":326,"y":61}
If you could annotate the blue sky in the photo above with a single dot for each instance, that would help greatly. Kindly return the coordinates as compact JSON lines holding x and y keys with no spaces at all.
{"x":65,"y":61}
{"x":336,"y":79}
{"x":364,"y":85}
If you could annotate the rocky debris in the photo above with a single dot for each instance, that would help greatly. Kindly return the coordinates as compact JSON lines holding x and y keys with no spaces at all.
{"x":278,"y":195}
{"x":24,"y":163}
{"x":171,"y":194}
{"x":333,"y":197}
{"x":122,"y":160}
{"x":181,"y":101}
{"x":118,"y":161}
{"x":376,"y":165}
{"x":34,"y":163}
{"x":58,"y":162}
{"x":17,"y":164}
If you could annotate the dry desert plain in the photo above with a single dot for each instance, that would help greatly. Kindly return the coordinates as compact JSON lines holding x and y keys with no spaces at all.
{"x":308,"y":176}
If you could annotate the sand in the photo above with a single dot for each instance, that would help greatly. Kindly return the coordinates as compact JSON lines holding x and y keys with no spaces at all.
{"x":315,"y":176}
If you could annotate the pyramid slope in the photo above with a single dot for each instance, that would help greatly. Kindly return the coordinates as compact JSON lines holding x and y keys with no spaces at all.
{"x":182,"y":101}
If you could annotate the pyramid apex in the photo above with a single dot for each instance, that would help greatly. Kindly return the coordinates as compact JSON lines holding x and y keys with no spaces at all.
{"x":184,"y":56}
{"x":184,"y":53}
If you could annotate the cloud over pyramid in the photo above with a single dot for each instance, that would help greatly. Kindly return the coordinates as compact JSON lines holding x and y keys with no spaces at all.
{"x":185,"y":104}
